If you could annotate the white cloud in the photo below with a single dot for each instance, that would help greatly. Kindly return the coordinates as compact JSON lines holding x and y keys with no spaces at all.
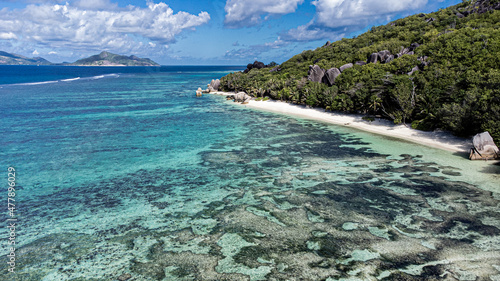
{"x":7,"y":36}
{"x":337,"y":13}
{"x":336,"y":18}
{"x":95,"y":4}
{"x":310,"y":32}
{"x":52,"y":53}
{"x":241,"y":13}
{"x":35,"y":53}
{"x":255,"y":51}
{"x":121,"y":29}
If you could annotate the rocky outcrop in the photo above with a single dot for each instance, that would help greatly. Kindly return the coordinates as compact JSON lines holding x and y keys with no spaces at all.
{"x":413,"y":46}
{"x":199,"y":92}
{"x":383,"y":55}
{"x":214,"y":85}
{"x":240,"y":97}
{"x":345,"y":66}
{"x":389,"y":59}
{"x":330,"y":76}
{"x":373,"y":58}
{"x":315,"y":73}
{"x":429,"y":20}
{"x":481,"y":7}
{"x":404,"y":51}
{"x":484,"y":147}
{"x":416,"y":68}
{"x":423,"y":61}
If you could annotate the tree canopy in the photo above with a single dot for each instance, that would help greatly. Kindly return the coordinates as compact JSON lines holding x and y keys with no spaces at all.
{"x":455,"y":87}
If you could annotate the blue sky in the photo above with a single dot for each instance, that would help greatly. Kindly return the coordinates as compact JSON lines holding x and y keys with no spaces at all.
{"x":191,"y":32}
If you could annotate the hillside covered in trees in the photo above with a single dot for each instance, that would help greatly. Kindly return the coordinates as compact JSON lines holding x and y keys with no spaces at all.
{"x":432,"y":71}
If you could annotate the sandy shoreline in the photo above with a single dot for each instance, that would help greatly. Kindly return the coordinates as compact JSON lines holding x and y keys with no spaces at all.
{"x":441,"y":140}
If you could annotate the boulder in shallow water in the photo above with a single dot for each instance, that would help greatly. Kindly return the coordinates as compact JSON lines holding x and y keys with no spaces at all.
{"x":124,"y":277}
{"x":484,"y":148}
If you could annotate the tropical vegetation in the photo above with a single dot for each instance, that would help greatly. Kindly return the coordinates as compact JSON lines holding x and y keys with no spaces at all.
{"x":456,"y":86}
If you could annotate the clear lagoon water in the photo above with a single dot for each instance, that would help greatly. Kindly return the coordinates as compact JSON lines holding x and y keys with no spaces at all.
{"x":124,"y":172}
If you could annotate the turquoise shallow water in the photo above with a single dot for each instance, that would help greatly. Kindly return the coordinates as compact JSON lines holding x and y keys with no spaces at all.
{"x":130,"y":173}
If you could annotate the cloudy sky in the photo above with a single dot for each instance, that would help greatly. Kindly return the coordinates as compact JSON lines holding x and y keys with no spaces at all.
{"x":222,"y":32}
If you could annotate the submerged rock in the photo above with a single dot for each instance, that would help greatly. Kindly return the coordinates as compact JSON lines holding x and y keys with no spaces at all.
{"x":124,"y":277}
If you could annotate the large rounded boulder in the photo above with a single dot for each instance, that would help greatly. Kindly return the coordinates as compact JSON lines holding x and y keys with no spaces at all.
{"x":330,"y":76}
{"x":315,"y":73}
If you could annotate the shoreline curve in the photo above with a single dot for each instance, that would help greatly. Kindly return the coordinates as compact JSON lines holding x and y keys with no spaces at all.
{"x":436,"y":139}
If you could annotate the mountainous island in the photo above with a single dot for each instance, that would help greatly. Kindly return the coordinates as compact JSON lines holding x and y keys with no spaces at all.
{"x":110,"y":59}
{"x":13,"y":59}
{"x":102,"y":59}
{"x":429,"y":71}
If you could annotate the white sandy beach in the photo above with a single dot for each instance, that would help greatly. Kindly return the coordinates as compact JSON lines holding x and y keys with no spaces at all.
{"x":441,"y":140}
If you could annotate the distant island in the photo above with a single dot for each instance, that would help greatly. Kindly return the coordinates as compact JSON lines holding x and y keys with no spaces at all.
{"x":102,"y":59}
{"x":110,"y":59}
{"x":13,"y":59}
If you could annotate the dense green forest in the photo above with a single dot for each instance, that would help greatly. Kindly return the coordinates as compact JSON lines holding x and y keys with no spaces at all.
{"x":450,"y":80}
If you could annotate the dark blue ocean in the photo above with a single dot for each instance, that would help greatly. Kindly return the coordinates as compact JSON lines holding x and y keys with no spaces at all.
{"x":122,"y":173}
